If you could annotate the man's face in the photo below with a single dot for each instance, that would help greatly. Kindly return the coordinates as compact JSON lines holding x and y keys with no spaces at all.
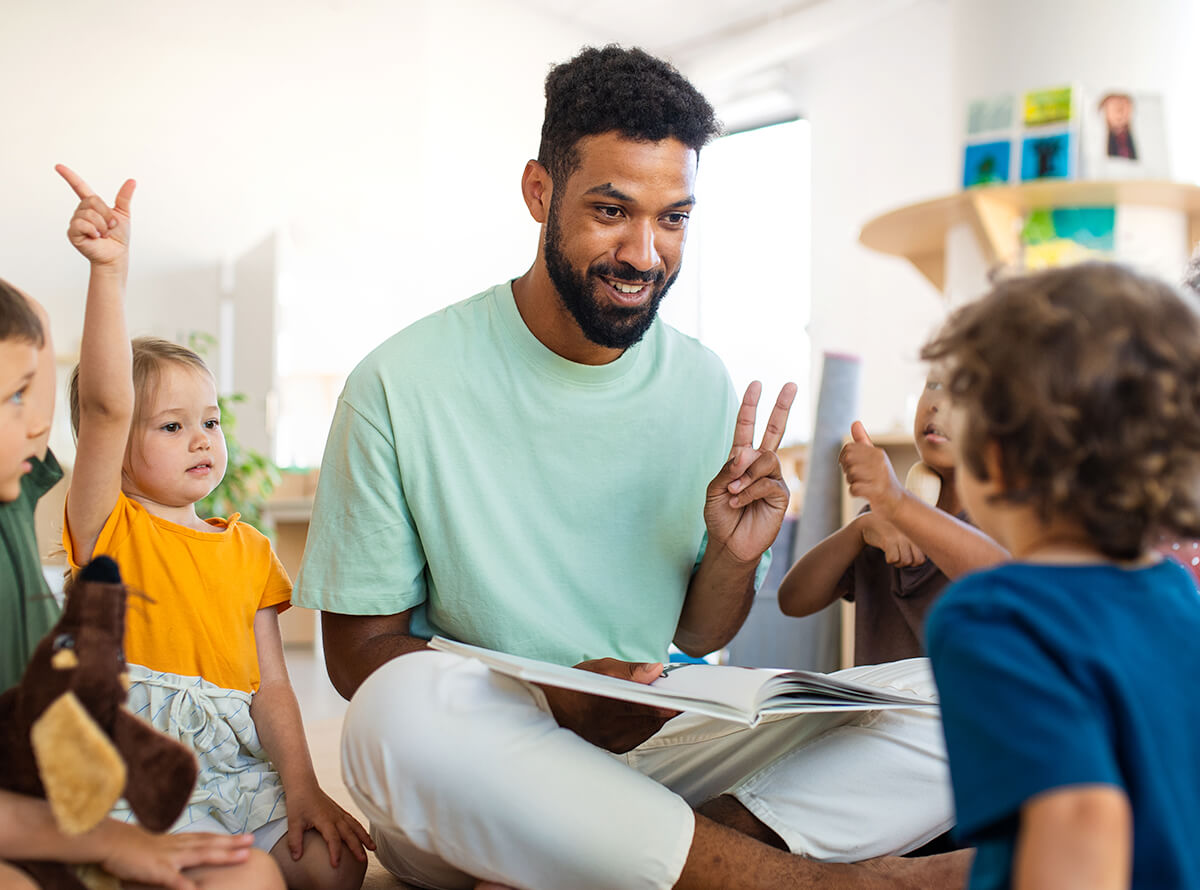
{"x":615,"y":232}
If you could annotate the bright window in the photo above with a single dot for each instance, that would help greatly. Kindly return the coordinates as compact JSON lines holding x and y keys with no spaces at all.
{"x":745,"y":287}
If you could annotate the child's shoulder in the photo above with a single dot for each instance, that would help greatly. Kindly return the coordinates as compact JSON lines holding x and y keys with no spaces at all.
{"x":1049,"y":595}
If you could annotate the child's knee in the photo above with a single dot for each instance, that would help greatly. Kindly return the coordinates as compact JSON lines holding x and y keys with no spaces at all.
{"x":313,"y":870}
{"x":260,"y":871}
{"x":350,"y":871}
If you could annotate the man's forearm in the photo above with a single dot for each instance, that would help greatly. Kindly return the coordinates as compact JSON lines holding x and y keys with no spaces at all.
{"x":353,"y":651}
{"x":718,"y":600}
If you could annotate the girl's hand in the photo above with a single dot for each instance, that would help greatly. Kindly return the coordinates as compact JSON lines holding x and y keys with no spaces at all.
{"x":135,"y":854}
{"x":313,"y":808}
{"x":99,"y":232}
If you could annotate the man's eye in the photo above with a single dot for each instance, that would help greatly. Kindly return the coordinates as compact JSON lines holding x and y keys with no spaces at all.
{"x":676,"y":219}
{"x":610,"y":212}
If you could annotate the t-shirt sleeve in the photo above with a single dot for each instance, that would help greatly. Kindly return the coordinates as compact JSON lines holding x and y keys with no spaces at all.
{"x":363,"y":555}
{"x":112,"y":534}
{"x":278,"y":589}
{"x":46,"y":473}
{"x":1019,"y":718}
{"x":846,"y":582}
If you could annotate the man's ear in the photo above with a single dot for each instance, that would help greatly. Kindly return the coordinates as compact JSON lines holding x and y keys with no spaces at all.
{"x":536,"y":189}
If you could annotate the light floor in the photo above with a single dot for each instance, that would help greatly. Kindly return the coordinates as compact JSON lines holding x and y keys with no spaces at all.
{"x":323,"y":709}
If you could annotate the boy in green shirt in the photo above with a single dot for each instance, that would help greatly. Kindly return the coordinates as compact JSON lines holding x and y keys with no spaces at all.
{"x":27,"y":471}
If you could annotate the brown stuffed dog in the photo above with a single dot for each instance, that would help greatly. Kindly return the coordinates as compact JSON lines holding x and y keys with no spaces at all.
{"x":65,"y":735}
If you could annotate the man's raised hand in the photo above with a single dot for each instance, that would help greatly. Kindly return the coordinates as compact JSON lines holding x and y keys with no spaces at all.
{"x":746,"y":502}
{"x":99,"y":232}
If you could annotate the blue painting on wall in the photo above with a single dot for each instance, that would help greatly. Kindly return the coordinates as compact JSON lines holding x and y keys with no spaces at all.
{"x":1047,"y":157}
{"x":986,"y":163}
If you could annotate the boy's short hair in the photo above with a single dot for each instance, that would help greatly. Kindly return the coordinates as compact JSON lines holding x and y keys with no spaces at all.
{"x":150,"y":354}
{"x":1088,"y":379}
{"x":18,"y":321}
{"x":627,"y":91}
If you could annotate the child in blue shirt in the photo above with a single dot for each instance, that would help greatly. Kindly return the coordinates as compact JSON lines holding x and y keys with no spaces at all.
{"x":1067,"y":677}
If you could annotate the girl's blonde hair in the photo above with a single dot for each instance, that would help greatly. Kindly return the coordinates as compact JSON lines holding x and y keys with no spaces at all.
{"x":150,"y":355}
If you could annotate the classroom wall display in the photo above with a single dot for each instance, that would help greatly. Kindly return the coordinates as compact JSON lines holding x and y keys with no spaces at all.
{"x":987,"y":163}
{"x":1060,"y":236}
{"x":1048,"y":156}
{"x":1023,"y":137}
{"x":1048,"y":106}
{"x":1124,"y":136}
{"x":1064,"y":132}
{"x":991,"y":115}
{"x":987,"y":157}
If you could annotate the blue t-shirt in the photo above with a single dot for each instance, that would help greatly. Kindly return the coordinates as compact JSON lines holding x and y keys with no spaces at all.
{"x":1064,"y":675}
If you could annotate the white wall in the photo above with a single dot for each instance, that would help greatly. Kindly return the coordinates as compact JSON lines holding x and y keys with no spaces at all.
{"x":887,"y":105}
{"x":387,"y":134}
{"x":1144,"y":47}
{"x":384,"y":141}
{"x":883,"y":135}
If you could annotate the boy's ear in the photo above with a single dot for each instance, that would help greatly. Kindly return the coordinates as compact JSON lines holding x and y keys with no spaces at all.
{"x":993,"y":462}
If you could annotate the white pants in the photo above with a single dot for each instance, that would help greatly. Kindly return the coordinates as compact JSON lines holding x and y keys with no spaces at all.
{"x":464,"y":774}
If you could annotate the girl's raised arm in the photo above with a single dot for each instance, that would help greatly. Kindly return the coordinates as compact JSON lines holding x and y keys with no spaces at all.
{"x":105,"y":374}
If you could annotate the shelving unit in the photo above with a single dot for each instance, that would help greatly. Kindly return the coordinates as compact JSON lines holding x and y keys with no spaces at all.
{"x":918,"y":232}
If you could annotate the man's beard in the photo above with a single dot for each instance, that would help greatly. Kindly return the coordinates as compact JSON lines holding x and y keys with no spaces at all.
{"x":603,"y":323}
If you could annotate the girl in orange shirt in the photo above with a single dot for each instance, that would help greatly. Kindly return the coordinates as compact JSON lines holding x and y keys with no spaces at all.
{"x":205,"y":654}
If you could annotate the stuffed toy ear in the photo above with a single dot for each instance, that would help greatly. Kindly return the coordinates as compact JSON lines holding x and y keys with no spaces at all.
{"x":81,"y":770}
{"x":923,"y":481}
{"x":162,"y":772}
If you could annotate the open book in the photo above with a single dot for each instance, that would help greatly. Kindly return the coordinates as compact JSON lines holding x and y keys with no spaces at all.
{"x":743,"y":695}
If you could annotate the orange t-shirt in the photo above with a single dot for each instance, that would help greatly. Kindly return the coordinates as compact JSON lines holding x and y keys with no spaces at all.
{"x":204,"y":589}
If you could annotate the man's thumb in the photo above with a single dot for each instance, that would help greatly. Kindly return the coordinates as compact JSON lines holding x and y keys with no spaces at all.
{"x":858,"y":433}
{"x":646,"y":672}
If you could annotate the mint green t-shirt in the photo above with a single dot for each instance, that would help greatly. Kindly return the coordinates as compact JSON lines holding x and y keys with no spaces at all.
{"x":519,"y":500}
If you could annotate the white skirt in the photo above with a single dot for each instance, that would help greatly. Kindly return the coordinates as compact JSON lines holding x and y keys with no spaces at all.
{"x":237,"y":786}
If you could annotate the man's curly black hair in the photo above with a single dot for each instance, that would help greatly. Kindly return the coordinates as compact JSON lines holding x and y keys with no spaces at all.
{"x":628,"y":91}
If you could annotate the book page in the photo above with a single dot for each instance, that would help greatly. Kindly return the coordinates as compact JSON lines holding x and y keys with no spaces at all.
{"x":724,"y":691}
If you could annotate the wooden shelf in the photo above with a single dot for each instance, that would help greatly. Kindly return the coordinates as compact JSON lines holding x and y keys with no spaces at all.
{"x":996,"y":213}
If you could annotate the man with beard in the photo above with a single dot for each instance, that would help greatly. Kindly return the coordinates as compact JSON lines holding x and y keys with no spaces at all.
{"x":531,"y":470}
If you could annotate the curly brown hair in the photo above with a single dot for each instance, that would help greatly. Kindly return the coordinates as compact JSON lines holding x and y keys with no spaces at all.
{"x":1088,"y":380}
